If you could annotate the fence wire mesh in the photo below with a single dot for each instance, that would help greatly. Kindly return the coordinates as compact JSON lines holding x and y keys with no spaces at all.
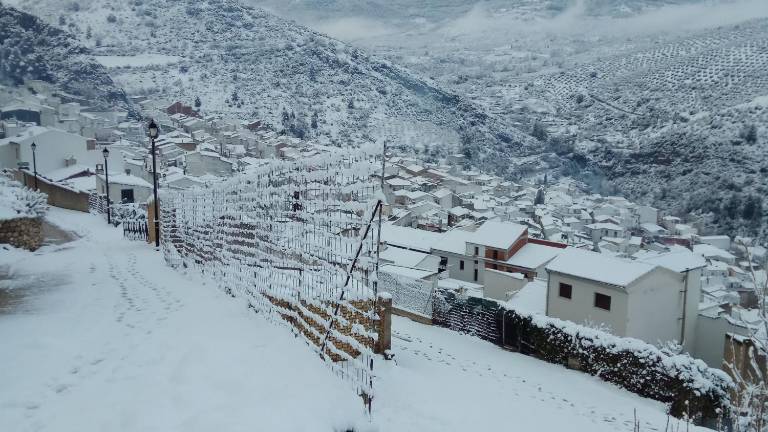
{"x":285,"y":236}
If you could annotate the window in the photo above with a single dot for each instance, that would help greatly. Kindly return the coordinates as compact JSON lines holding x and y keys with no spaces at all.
{"x":495,"y":254}
{"x":602,"y":301}
{"x":477,"y":250}
{"x":566,"y":291}
{"x":461,"y":265}
{"x":495,"y":266}
{"x":443,"y":263}
{"x":475,"y":275}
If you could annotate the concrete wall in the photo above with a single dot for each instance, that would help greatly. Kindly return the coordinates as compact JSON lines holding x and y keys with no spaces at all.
{"x":656,"y":308}
{"x":710,"y":339}
{"x":580,"y":308}
{"x":499,"y":285}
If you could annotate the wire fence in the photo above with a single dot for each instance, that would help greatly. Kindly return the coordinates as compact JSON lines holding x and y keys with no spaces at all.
{"x":297,"y":240}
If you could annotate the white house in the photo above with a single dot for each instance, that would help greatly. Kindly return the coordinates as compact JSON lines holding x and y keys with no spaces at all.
{"x":629,"y":298}
{"x":124,"y":188}
{"x":55,"y":149}
{"x":604,"y":229}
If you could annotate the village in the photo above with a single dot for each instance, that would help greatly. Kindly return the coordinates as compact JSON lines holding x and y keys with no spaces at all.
{"x":542,"y":246}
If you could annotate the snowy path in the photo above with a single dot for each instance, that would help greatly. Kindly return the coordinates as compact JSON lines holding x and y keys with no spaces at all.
{"x":110,"y":339}
{"x":118,"y":342}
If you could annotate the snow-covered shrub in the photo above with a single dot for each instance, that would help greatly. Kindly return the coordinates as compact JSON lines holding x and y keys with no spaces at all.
{"x":688,"y":385}
{"x":16,"y":201}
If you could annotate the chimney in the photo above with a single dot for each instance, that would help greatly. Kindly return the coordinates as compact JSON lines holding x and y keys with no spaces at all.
{"x":128,"y":171}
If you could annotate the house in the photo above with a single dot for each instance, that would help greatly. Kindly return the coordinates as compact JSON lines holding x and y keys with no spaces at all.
{"x":124,"y":188}
{"x":21,"y":112}
{"x":180,"y":108}
{"x":597,"y":231}
{"x":55,"y":149}
{"x":466,"y":254}
{"x":628,"y":298}
{"x":199,"y":163}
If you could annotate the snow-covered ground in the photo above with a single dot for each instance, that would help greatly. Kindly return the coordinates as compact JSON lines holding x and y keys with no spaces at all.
{"x":137,"y":60}
{"x":109,"y":338}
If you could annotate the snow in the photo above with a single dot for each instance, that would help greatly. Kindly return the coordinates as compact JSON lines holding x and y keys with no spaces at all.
{"x":137,"y":60}
{"x":126,"y":179}
{"x":115,"y":334}
{"x":679,"y":260}
{"x":598,"y":267}
{"x":410,"y":238}
{"x":402,"y":257}
{"x":534,"y":255}
{"x":454,"y":241}
{"x":140,"y":347}
{"x":498,"y":234}
{"x":17,"y":201}
{"x":532,"y":298}
{"x":410,"y":273}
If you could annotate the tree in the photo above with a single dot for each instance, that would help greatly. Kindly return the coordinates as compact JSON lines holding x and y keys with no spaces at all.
{"x":62,"y":20}
{"x":539,"y":132}
{"x":539,"y":197}
{"x":198,"y":103}
{"x":313,"y":123}
{"x":351,"y":104}
{"x":88,"y":32}
{"x":749,"y":133}
{"x":111,"y":18}
{"x":752,"y":209}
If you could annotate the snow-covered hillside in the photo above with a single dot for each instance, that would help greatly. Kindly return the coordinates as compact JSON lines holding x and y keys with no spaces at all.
{"x":652,"y":95}
{"x":101,"y":335}
{"x":246,"y":62}
{"x":31,"y":49}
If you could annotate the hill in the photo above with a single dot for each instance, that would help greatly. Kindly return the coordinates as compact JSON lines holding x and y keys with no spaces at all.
{"x":32,"y":49}
{"x":245,"y":62}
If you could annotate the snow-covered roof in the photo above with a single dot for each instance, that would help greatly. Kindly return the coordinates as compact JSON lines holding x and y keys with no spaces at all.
{"x":410,"y":238}
{"x":679,"y":260}
{"x":408,"y":272}
{"x":66,"y":172}
{"x":403,"y":257}
{"x":532,"y":298}
{"x":126,"y":179}
{"x":605,"y":226}
{"x":534,"y":255}
{"x":454,"y":241}
{"x":598,"y":267}
{"x":397,"y":181}
{"x":498,"y":234}
{"x":712,"y":251}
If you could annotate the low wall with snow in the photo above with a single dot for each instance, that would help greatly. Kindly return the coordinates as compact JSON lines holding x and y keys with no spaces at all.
{"x":25,"y":233}
{"x":688,"y":385}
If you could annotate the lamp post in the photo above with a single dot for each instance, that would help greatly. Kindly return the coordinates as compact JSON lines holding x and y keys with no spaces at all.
{"x":153,"y":133}
{"x":105,"y":152}
{"x":34,"y":162}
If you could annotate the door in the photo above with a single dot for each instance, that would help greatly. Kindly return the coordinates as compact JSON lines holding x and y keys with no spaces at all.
{"x":126,"y":195}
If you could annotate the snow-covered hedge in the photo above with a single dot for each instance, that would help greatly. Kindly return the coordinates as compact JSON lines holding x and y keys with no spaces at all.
{"x":16,"y":201}
{"x":688,"y":385}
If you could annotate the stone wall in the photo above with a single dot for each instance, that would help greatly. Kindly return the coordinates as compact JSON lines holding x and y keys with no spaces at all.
{"x":25,"y":233}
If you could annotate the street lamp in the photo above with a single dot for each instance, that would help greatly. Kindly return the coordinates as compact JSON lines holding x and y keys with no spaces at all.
{"x":153,"y":133}
{"x":34,"y":162}
{"x":105,"y":152}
